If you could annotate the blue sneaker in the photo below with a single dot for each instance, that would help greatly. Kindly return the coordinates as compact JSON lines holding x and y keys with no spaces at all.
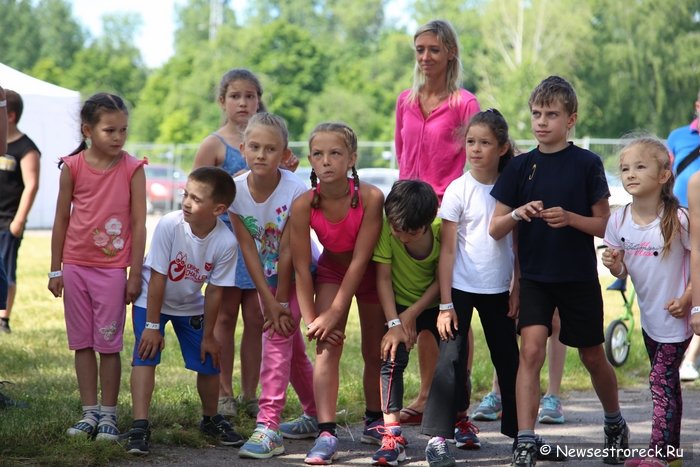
{"x":490,"y":408}
{"x":551,"y":411}
{"x":393,"y":449}
{"x":263,"y":444}
{"x":465,"y":435}
{"x":324,"y":451}
{"x":300,"y":428}
{"x":437,"y":454}
{"x":372,"y":434}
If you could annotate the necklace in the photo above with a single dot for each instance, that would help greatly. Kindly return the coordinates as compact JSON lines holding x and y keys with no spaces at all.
{"x":112,"y":163}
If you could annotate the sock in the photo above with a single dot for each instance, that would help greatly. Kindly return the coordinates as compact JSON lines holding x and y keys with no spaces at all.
{"x":140,"y":423}
{"x":108,"y":414}
{"x":371,"y":416}
{"x":613,"y":418}
{"x":91,"y":414}
{"x":526,"y":436}
{"x":329,"y":427}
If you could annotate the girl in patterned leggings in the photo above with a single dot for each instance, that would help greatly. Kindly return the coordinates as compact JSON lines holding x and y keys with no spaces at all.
{"x":648,"y":239}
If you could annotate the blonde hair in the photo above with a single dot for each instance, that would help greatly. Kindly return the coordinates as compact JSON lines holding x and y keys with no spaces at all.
{"x":670,"y":223}
{"x":447,"y":35}
{"x":350,"y":139}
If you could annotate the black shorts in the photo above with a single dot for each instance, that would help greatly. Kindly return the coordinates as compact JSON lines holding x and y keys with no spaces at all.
{"x":580,"y":307}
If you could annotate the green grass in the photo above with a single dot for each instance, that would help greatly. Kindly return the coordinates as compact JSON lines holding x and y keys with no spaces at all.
{"x":36,"y":358}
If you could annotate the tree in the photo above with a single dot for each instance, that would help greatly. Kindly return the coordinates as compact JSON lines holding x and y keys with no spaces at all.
{"x":62,"y":37}
{"x":19,"y":41}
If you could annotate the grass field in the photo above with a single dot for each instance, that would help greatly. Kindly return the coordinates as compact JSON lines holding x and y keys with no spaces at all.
{"x":35,"y":357}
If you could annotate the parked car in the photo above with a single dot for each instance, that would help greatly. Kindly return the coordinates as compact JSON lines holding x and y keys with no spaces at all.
{"x":382,"y":178}
{"x":164,"y":187}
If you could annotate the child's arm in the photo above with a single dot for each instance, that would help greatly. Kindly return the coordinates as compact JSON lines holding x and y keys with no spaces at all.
{"x":327,"y":321}
{"x":300,"y":241}
{"x":271,"y":309}
{"x":557,"y":218}
{"x":614,"y":261}
{"x":212,"y":301}
{"x":60,"y":225}
{"x":138,"y":234}
{"x":514,"y":297}
{"x":410,"y":314}
{"x":694,"y":219}
{"x":680,"y":307}
{"x":151,"y":339}
{"x":396,"y":333}
{"x":29,"y":165}
{"x":284,"y":280}
{"x":447,"y":318}
{"x":3,"y":122}
{"x":504,"y":218}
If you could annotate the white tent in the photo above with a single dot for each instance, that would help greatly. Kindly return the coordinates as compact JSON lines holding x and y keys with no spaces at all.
{"x":51,"y":118}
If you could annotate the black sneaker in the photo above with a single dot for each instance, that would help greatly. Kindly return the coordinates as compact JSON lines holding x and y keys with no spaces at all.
{"x":7,"y":402}
{"x":5,"y":327}
{"x":217,"y":427}
{"x":616,"y":441}
{"x":525,"y":455}
{"x":549,"y":453}
{"x":138,"y":438}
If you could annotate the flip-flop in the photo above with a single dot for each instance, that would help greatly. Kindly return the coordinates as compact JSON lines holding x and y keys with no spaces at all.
{"x":409,"y":416}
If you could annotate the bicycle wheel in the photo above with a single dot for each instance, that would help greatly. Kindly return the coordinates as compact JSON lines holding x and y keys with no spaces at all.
{"x":617,"y":348}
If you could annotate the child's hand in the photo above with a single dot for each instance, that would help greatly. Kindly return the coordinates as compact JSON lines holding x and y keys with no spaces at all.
{"x":555,"y":217}
{"x":280,"y":319}
{"x":210,"y":346}
{"x":391,"y":341}
{"x":408,"y":322}
{"x":514,"y":304}
{"x":133,"y":288}
{"x":151,"y":342}
{"x":695,"y":323}
{"x":285,"y":325}
{"x":529,"y":211}
{"x":56,"y":286}
{"x":676,"y":308}
{"x":321,"y":327}
{"x":335,"y":337}
{"x":612,"y":259}
{"x":445,"y":321}
{"x":290,"y":163}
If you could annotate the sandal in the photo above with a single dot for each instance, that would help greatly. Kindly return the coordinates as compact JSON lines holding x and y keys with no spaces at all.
{"x":409,"y":416}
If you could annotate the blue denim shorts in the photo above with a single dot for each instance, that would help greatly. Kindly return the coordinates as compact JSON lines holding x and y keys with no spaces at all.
{"x":9,"y":246}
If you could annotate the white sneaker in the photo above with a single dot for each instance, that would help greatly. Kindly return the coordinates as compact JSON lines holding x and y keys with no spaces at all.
{"x":688,"y":372}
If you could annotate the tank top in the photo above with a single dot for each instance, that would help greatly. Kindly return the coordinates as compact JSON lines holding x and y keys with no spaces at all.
{"x":234,"y":161}
{"x":341,"y":236}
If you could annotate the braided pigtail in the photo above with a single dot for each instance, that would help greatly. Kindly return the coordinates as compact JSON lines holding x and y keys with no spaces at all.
{"x":316,"y":200}
{"x":356,"y":190}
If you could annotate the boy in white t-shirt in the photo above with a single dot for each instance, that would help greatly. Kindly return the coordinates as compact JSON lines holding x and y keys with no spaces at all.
{"x":190,"y":247}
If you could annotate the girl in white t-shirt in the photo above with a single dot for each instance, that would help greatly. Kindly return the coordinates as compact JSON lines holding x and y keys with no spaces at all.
{"x":474,"y":271}
{"x":648,"y":239}
{"x":259,"y":214}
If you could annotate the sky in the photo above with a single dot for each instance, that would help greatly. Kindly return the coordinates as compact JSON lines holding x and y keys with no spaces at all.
{"x":155,"y":38}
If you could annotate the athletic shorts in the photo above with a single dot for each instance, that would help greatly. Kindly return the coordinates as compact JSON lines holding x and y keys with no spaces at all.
{"x":9,"y":247}
{"x":243,"y":280}
{"x":190,"y":333}
{"x":330,"y":272}
{"x":95,"y":307}
{"x":426,"y":321}
{"x":580,"y":307}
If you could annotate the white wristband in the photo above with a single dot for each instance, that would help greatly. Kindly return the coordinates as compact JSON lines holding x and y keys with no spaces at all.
{"x":284,"y":305}
{"x":694,"y":310}
{"x":446,"y":306}
{"x":3,"y":103}
{"x":516,"y":217}
{"x":154,"y":326}
{"x":622,"y":273}
{"x":54,"y":274}
{"x":393,"y":323}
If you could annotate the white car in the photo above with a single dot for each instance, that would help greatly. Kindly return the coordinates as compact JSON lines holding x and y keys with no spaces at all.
{"x":382,"y":178}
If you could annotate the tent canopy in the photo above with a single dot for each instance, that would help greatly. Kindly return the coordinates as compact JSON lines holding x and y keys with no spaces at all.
{"x":51,"y":118}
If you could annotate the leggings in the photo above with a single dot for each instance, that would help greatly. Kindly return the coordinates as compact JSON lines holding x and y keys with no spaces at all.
{"x":665,"y":386}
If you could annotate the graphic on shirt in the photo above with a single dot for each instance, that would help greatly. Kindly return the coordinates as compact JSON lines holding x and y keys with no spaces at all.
{"x":8,"y":163}
{"x":109,"y":241}
{"x":267,"y":238}
{"x":108,"y":332}
{"x":180,"y":269}
{"x":640,"y":249}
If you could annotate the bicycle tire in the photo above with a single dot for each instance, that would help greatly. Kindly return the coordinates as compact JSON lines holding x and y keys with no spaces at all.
{"x":617,"y":348}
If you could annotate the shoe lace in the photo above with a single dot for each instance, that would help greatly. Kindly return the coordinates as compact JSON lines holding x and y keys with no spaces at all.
{"x":389,"y":439}
{"x":551,"y":403}
{"x":523,"y":453}
{"x":465,"y":425}
{"x":137,"y":434}
{"x":490,"y":400}
{"x":440,"y":448}
{"x":613,"y":436}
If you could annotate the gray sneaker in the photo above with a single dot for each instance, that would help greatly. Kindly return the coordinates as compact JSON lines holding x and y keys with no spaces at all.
{"x":525,"y":455}
{"x":438,"y":455}
{"x":489,"y":409}
{"x":616,"y":442}
{"x":302,"y":427}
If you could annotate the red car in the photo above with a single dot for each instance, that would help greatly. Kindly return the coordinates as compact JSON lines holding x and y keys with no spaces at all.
{"x":164,"y":186}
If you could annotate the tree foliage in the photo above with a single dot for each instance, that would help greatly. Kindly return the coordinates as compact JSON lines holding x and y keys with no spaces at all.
{"x":634,"y":64}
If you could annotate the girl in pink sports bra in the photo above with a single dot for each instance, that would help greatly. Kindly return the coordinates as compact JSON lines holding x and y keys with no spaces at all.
{"x":346,"y":217}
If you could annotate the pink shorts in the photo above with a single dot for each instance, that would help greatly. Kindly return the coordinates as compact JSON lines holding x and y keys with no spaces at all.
{"x":330,"y":272}
{"x":95,"y":309}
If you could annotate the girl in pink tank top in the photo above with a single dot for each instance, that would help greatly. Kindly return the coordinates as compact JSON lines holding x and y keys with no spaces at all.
{"x":346,"y":216}
{"x":99,"y":231}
